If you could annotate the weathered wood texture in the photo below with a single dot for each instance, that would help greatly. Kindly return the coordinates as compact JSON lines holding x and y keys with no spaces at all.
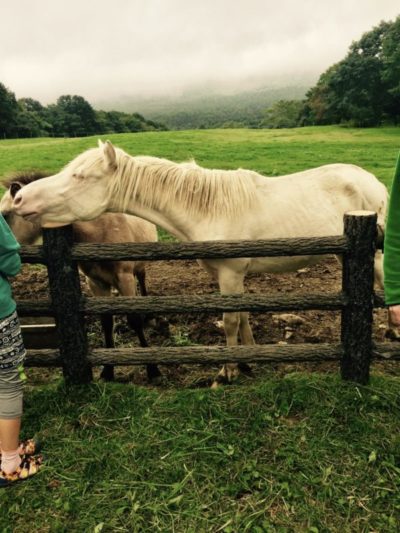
{"x":66,"y":296}
{"x":192,"y":304}
{"x":358,"y":284}
{"x":274,"y":353}
{"x":194,"y":250}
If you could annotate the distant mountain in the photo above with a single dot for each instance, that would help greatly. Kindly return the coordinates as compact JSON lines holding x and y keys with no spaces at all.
{"x":192,"y":111}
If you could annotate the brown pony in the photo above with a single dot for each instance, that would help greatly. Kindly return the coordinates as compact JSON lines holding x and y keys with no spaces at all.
{"x":102,"y":276}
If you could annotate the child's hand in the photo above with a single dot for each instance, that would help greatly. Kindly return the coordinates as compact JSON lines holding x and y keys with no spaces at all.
{"x":394,"y":315}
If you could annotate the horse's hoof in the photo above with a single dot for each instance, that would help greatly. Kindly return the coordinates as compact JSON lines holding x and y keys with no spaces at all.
{"x":106,"y":376}
{"x":392,"y":334}
{"x":245,"y":368}
{"x":220,"y":380}
{"x":156,"y":381}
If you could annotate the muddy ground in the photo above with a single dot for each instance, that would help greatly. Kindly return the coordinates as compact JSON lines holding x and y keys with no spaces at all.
{"x":187,"y":277}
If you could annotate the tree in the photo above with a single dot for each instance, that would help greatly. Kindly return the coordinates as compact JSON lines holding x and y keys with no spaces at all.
{"x":355,"y":90}
{"x":76,"y":117}
{"x":283,"y":114}
{"x":8,"y":112}
{"x":391,"y":69}
{"x":31,"y":119}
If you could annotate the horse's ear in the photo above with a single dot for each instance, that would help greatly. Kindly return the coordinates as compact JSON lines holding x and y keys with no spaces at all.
{"x":101,"y":144}
{"x":14,"y":188}
{"x":110,"y":155}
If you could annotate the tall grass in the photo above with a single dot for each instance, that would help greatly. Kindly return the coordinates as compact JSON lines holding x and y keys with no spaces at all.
{"x":301,"y":453}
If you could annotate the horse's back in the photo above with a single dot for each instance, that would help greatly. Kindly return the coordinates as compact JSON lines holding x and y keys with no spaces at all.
{"x":115,"y":227}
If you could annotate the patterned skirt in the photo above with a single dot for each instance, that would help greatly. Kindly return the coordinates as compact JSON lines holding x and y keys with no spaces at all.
{"x":12,"y":349}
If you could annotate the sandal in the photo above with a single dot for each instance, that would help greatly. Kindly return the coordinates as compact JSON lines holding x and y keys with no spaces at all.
{"x":29,"y":466}
{"x":28,"y":447}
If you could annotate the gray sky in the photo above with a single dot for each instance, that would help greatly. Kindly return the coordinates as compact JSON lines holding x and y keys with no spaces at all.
{"x":105,"y":49}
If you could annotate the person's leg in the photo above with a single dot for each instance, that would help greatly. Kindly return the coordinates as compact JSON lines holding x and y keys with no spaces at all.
{"x":9,"y":433}
{"x":11,"y":390}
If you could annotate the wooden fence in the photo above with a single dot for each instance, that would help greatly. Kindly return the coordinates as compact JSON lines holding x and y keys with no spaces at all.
{"x":69,"y":307}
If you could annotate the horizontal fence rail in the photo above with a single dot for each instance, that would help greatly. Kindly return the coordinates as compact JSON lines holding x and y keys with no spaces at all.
{"x":274,"y":353}
{"x":195,"y":250}
{"x":123,"y":305}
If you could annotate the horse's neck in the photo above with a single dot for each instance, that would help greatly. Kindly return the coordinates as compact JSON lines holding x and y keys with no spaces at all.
{"x":172,"y":220}
{"x":171,"y":215}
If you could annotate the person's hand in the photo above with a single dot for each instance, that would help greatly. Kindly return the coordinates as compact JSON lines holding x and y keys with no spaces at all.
{"x":394,"y":315}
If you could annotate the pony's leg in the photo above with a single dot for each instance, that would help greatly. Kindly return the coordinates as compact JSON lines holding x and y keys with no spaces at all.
{"x":141,"y":277}
{"x":230,"y":282}
{"x":107,"y":325}
{"x":126,"y":285}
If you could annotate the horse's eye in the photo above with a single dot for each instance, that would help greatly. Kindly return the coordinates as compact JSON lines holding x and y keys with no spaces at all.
{"x":77,"y":176}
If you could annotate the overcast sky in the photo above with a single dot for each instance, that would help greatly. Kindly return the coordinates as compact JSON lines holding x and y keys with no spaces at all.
{"x":103,"y":49}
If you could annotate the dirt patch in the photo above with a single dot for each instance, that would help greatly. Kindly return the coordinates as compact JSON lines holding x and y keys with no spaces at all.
{"x":187,"y":277}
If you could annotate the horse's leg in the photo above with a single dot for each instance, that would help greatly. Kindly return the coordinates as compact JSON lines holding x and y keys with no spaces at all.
{"x":107,"y":325}
{"x":126,"y":285}
{"x":230,"y":282}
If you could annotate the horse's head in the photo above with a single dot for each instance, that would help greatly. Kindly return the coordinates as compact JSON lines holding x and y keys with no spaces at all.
{"x":26,"y":232}
{"x":79,"y":192}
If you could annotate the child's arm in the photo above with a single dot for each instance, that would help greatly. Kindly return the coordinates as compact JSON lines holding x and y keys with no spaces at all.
{"x":10,"y":262}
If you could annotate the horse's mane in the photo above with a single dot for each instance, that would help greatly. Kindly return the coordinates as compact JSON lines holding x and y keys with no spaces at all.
{"x":24,"y":177}
{"x":158,"y":182}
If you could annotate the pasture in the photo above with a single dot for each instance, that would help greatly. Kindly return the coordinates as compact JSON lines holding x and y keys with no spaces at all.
{"x":285,"y":451}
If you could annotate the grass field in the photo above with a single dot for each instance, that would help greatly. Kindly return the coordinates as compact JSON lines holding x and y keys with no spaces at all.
{"x":302,"y":453}
{"x":271,"y":152}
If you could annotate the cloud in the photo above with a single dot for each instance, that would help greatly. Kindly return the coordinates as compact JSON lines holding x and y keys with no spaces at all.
{"x":102,"y":50}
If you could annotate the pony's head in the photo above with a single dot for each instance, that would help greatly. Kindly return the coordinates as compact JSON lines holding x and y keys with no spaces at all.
{"x":81,"y":191}
{"x":26,"y":231}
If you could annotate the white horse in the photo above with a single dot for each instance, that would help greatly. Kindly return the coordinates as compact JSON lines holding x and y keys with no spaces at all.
{"x":195,"y":204}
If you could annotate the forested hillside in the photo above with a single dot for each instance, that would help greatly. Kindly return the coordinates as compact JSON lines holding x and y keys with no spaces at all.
{"x":244,"y":109}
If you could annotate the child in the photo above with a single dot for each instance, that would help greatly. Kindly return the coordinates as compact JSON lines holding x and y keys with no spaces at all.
{"x":17,"y":460}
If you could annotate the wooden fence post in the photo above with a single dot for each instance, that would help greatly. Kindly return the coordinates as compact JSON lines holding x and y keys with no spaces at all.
{"x":358,"y":284}
{"x":66,"y":295}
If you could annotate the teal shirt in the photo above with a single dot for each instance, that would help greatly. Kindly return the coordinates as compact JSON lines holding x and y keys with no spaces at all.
{"x":391,"y":257}
{"x":10,"y":265}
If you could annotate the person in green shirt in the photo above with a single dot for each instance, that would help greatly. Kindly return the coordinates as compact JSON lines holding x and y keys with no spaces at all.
{"x":391,"y":257}
{"x":17,"y":460}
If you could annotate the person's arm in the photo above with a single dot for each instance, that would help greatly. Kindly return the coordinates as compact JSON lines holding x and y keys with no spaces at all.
{"x":10,"y":262}
{"x":391,"y":261}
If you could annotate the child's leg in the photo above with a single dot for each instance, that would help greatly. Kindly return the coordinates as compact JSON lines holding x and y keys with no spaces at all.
{"x":9,"y":434}
{"x":11,"y":388}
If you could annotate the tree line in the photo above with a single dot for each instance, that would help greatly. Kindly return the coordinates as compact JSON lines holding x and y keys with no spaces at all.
{"x":70,"y":116}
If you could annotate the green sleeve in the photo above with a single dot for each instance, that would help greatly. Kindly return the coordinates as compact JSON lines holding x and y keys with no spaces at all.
{"x":10,"y":262}
{"x":391,"y":261}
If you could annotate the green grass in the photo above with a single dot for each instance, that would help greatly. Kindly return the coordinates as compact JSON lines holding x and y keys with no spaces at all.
{"x":271,"y":152}
{"x":301,"y":453}
{"x":306,"y":452}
